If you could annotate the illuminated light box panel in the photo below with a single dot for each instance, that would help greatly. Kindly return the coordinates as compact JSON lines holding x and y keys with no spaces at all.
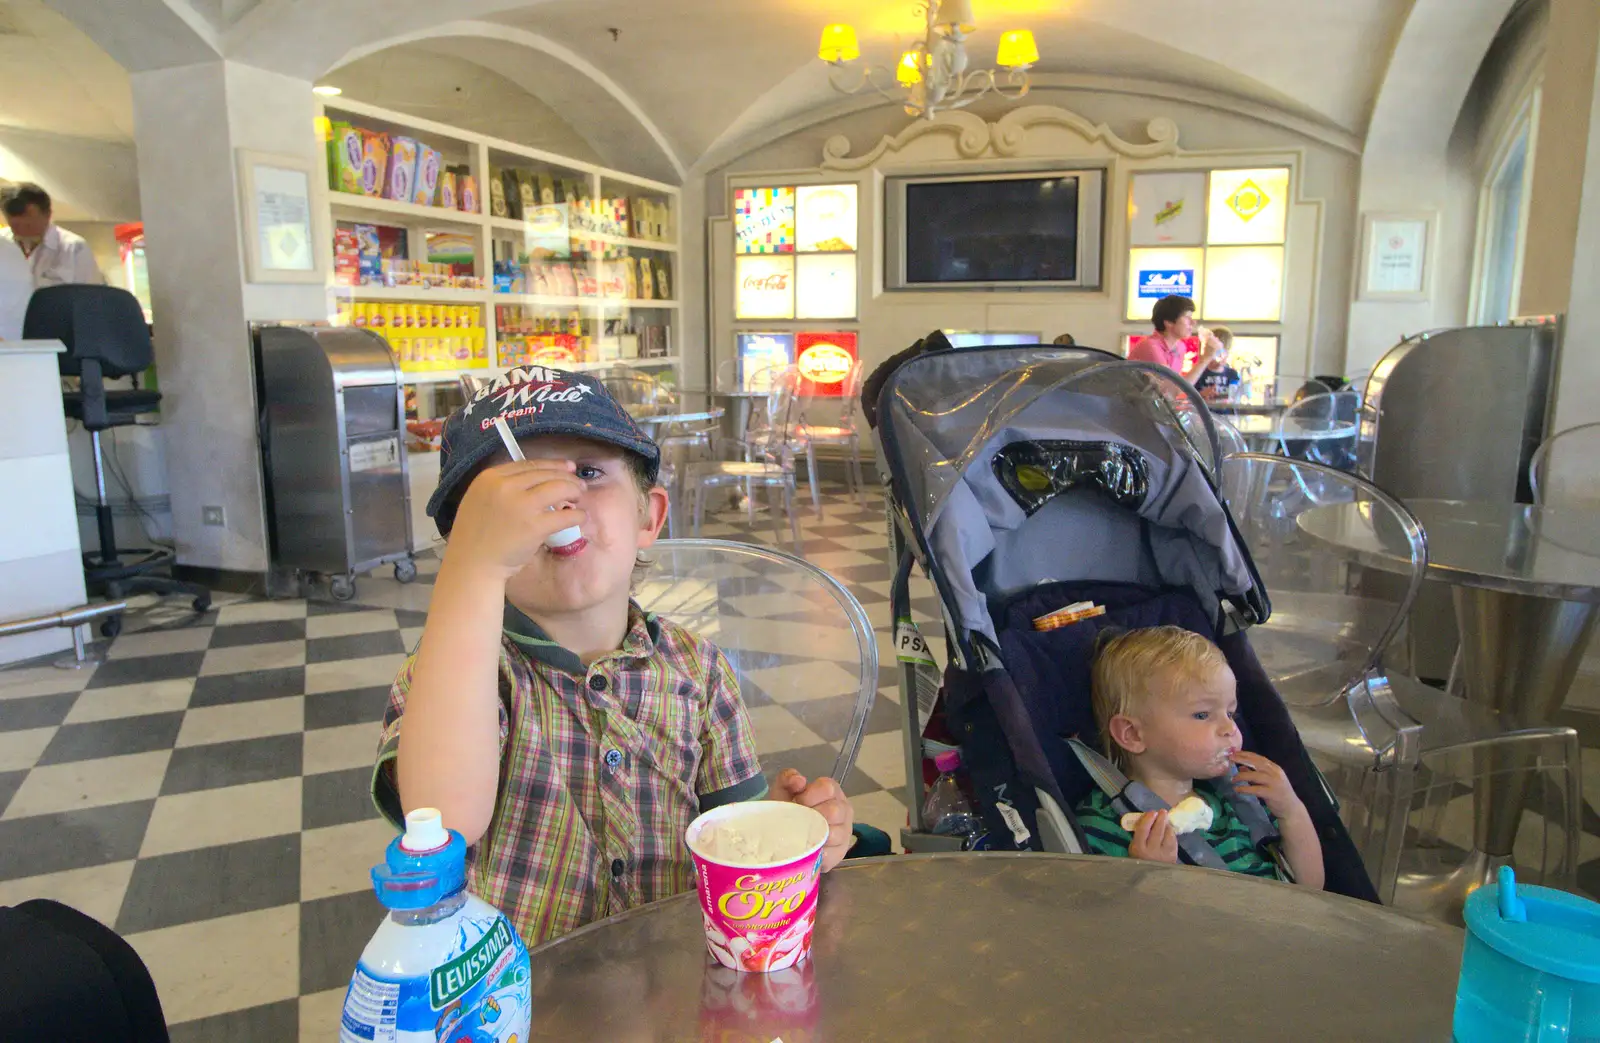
{"x":825,"y":218}
{"x":1154,"y":273}
{"x":763,"y":220}
{"x":764,"y":287}
{"x":1248,"y":207}
{"x":1243,"y":284}
{"x":824,"y":361}
{"x":825,"y":286}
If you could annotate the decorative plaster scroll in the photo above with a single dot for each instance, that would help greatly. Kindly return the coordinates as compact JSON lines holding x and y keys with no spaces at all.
{"x":1008,"y":132}
{"x":971,"y":134}
{"x":1005,"y":137}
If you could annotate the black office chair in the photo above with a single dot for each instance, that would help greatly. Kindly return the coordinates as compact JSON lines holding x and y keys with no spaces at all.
{"x":105,"y":334}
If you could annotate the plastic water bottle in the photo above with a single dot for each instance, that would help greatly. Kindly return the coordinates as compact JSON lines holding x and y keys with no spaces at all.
{"x":444,"y":964}
{"x":947,"y":810}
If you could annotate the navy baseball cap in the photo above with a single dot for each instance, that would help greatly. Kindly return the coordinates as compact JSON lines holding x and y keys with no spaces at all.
{"x":533,"y":400}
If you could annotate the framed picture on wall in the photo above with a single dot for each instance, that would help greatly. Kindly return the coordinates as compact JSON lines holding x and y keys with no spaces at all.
{"x":1394,"y":256}
{"x":280,"y":224}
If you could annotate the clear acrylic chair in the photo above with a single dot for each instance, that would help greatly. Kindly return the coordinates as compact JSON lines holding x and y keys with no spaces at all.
{"x":770,"y":450}
{"x":1558,"y":470}
{"x":839,"y":428}
{"x":1403,"y":759}
{"x":817,"y":667}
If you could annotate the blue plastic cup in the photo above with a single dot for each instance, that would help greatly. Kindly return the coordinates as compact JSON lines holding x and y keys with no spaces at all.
{"x":1530,"y":970}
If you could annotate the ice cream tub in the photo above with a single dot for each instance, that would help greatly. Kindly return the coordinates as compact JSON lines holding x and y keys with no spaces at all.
{"x":757,"y":868}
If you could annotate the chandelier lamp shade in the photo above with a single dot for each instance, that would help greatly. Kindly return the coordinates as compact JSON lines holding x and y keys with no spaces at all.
{"x":932,"y":75}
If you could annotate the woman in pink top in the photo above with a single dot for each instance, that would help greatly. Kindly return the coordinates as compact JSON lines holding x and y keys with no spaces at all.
{"x":1173,"y":317}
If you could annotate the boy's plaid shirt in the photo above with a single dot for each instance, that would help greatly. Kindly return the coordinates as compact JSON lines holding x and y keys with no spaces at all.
{"x":601,"y":771}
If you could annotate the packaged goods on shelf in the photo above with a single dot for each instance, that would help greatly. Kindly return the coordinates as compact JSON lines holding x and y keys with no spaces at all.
{"x":447,"y":190}
{"x":647,"y":281}
{"x":498,"y":207}
{"x":425,"y":185}
{"x":346,"y":256}
{"x":402,"y":169}
{"x":423,"y":337}
{"x":374,"y":162}
{"x":346,"y":153}
{"x":663,"y":287}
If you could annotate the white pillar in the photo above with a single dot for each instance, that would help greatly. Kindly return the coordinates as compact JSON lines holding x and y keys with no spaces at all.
{"x":1578,"y":377}
{"x":189,"y":123}
{"x":1564,"y":120}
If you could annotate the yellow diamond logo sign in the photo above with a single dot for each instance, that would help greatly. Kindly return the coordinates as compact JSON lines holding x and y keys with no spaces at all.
{"x":1248,"y":200}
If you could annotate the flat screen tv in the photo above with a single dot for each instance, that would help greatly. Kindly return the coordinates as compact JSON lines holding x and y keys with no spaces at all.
{"x":1036,"y":230}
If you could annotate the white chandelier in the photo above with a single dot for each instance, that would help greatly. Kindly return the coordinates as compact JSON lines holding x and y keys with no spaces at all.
{"x":932,"y":76}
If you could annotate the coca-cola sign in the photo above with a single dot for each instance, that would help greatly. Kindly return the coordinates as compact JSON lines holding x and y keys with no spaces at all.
{"x":765,"y":287}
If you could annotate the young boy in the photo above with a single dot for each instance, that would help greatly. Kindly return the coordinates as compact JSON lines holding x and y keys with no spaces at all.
{"x":1164,"y":699}
{"x":569,"y":736}
{"x":1219,"y":378}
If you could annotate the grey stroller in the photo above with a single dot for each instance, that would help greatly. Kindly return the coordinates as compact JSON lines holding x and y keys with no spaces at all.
{"x":1025,"y":479}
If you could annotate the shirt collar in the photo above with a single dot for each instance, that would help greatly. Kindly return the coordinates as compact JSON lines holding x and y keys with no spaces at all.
{"x":638,"y":643}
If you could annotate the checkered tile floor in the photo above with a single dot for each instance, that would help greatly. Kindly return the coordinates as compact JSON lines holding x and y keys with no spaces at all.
{"x":204,"y":791}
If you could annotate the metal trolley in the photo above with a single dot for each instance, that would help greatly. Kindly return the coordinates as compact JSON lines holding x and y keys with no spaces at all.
{"x":334,"y":453}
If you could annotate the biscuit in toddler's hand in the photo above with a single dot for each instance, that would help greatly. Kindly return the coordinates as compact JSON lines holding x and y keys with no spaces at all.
{"x":1189,"y":814}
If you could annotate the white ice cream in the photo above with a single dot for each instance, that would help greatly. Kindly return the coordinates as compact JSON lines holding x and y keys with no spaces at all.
{"x":759,"y":833}
{"x":1189,"y":814}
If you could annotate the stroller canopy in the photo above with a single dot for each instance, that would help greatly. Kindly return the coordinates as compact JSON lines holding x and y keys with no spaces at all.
{"x":1016,"y":466}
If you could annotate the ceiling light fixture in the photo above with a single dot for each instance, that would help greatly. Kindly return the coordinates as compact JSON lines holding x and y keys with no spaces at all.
{"x":327,"y":90}
{"x":932,"y":76}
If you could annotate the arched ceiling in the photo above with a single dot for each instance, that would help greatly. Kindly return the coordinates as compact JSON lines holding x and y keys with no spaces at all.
{"x":698,"y":77}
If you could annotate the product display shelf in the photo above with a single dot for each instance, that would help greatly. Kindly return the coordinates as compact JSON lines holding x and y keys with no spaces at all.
{"x":420,"y":294}
{"x":377,"y":208}
{"x":445,"y":376}
{"x":514,"y":226}
{"x":484,"y":155}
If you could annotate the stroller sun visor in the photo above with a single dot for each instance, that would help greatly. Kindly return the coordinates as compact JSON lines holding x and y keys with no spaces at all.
{"x":1022,"y":466}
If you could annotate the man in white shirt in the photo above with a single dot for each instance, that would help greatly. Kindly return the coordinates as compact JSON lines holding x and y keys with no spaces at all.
{"x":55,"y":255}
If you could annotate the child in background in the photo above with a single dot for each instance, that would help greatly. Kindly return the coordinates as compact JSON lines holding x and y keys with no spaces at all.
{"x":1219,"y":378}
{"x":1164,"y":699}
{"x":568,"y":735}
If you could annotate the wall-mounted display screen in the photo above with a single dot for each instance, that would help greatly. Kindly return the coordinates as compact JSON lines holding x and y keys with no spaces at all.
{"x":995,"y":231}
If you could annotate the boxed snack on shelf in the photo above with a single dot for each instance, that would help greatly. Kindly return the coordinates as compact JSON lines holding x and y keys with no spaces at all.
{"x":447,"y":190}
{"x":467,"y":193}
{"x":402,"y":169}
{"x":374,"y":162}
{"x":346,"y":256}
{"x":498,"y":204}
{"x":663,"y":286}
{"x":425,"y":184}
{"x":346,"y":153}
{"x":423,"y":337}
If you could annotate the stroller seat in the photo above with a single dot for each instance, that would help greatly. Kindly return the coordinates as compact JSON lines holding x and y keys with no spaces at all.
{"x":1026,"y":479}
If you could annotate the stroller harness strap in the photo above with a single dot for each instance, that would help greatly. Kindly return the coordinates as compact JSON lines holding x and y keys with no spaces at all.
{"x":1129,"y":796}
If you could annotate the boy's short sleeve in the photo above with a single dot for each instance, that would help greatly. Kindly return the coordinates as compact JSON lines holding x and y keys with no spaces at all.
{"x":729,"y":770}
{"x":385,"y":785}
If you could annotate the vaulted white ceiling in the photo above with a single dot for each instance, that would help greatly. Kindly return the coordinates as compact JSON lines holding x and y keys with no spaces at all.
{"x":699,"y":77}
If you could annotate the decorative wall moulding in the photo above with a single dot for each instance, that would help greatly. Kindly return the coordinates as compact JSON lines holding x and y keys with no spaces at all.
{"x":1006,"y":138}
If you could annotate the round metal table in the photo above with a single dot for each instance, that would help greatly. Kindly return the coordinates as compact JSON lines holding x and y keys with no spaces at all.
{"x":1526,"y":585}
{"x":1260,"y":428}
{"x":1018,"y":947}
{"x":1226,"y":408}
{"x":656,"y":417}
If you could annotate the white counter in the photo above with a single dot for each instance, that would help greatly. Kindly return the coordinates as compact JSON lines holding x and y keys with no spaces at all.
{"x":41,"y":561}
